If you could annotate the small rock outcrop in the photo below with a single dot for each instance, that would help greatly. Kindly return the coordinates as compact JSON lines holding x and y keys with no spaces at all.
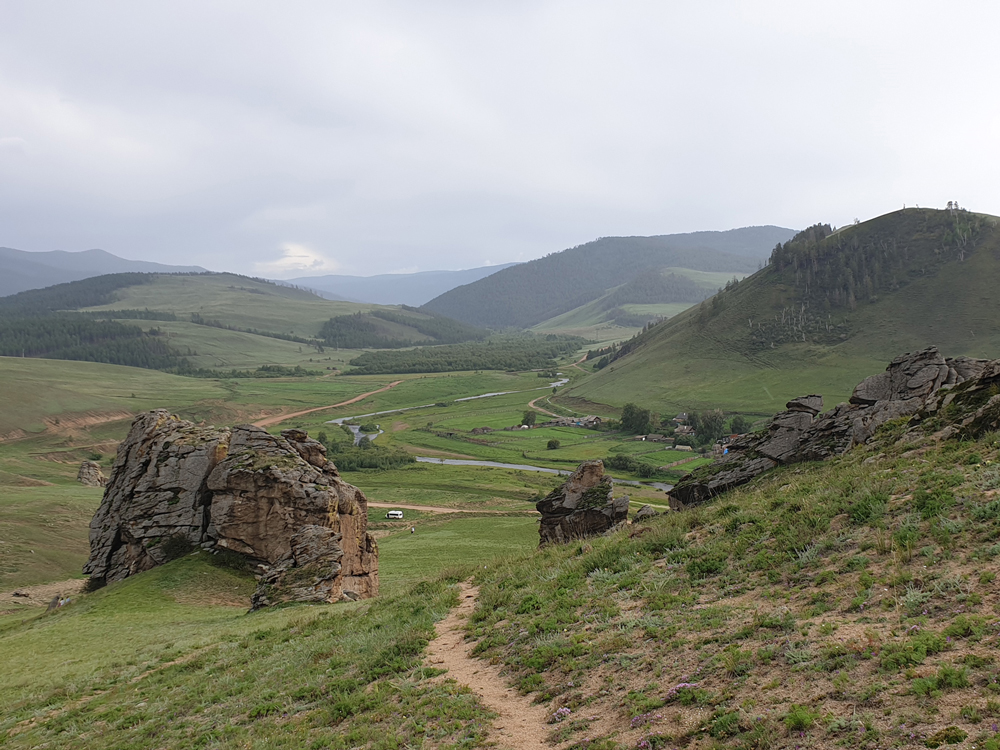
{"x":90,"y":475}
{"x":275,"y":500}
{"x":918,"y":382}
{"x":580,"y":507}
{"x":644,"y":514}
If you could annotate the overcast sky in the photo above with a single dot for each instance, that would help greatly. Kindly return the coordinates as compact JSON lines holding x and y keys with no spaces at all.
{"x":300,"y":138}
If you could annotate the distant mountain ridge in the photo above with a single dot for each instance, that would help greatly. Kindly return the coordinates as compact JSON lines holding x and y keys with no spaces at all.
{"x":412,"y":289}
{"x":532,"y":292}
{"x":21,"y":270}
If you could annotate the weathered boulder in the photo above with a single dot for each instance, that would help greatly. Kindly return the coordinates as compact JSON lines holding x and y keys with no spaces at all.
{"x":90,"y":474}
{"x":918,"y":382}
{"x":644,"y":514}
{"x":582,"y":506}
{"x":276,"y":500}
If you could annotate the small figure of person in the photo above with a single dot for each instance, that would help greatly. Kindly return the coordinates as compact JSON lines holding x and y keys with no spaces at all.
{"x":413,"y":529}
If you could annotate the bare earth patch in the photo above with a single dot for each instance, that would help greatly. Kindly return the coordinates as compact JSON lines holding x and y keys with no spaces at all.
{"x":42,"y":594}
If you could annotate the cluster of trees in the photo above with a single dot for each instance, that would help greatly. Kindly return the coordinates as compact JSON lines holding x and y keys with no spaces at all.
{"x":366,"y":455}
{"x":264,"y":371}
{"x":198,"y":319}
{"x":499,"y":353}
{"x":75,"y":337}
{"x":709,"y":426}
{"x":839,"y":270}
{"x":624,"y":462}
{"x":99,"y":290}
{"x":388,"y":329}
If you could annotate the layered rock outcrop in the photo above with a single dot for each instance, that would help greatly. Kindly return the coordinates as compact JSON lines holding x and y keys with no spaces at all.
{"x":580,"y":507}
{"x":276,"y":500}
{"x":912,"y":384}
{"x":90,"y":475}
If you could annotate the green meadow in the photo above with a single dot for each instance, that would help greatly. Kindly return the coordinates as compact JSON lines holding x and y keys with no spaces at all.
{"x":235,"y":301}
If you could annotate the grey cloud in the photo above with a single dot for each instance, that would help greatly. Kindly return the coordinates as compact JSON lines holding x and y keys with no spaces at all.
{"x":386,"y":135}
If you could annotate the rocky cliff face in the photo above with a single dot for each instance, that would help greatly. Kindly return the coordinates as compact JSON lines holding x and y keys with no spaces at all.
{"x":914,"y":384}
{"x":582,"y":506}
{"x":275,"y":500}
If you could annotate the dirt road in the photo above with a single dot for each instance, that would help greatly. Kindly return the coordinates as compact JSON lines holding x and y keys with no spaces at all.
{"x":577,"y":364}
{"x":267,"y":422}
{"x":531,"y":405}
{"x":437,"y":509}
{"x":521,"y":724}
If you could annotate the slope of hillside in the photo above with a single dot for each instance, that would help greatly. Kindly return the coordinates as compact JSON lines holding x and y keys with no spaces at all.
{"x":394,"y":288}
{"x":20,"y":270}
{"x":822,"y":314}
{"x":850,"y":603}
{"x":530,"y":293}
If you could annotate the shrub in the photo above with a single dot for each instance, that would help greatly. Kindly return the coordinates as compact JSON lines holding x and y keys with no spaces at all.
{"x":799,"y":718}
{"x":706,"y":567}
{"x":947,"y":736}
{"x":552,"y":444}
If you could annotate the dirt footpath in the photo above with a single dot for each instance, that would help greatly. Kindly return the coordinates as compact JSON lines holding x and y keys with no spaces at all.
{"x":521,"y":724}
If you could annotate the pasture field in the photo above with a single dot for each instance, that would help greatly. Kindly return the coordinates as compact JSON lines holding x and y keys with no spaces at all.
{"x":236,"y":301}
{"x":222,"y":349}
{"x":36,"y":392}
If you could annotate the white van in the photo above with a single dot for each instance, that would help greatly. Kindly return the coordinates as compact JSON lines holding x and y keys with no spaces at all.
{"x":394,"y":514}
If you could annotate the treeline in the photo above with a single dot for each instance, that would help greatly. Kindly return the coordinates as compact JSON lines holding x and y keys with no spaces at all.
{"x":438,"y":327}
{"x":656,"y":288}
{"x":200,"y":320}
{"x":264,"y":371}
{"x":73,"y":295}
{"x":70,"y":336}
{"x":128,"y":314}
{"x":500,"y":353}
{"x":380,"y":329}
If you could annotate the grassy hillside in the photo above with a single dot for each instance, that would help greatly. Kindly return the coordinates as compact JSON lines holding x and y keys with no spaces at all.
{"x":621,"y":311}
{"x":851,"y":604}
{"x":530,"y":293}
{"x":821,"y":317}
{"x":846,"y":604}
{"x":187,"y":323}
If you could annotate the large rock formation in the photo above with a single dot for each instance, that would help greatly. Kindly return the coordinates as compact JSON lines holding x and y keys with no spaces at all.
{"x":90,"y":474}
{"x":582,"y":506}
{"x":911,"y":384}
{"x":275,"y":500}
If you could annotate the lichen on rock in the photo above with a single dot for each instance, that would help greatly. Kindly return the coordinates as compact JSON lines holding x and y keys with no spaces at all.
{"x":276,"y":500}
{"x":916,"y":385}
{"x":580,"y":507}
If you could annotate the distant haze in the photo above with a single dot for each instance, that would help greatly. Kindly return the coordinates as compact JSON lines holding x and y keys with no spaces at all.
{"x":312,"y":138}
{"x":20,"y":271}
{"x":394,"y":289}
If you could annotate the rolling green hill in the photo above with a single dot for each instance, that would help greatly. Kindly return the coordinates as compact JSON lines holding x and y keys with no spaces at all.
{"x":530,"y":293}
{"x":188,"y":323}
{"x":825,"y":311}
